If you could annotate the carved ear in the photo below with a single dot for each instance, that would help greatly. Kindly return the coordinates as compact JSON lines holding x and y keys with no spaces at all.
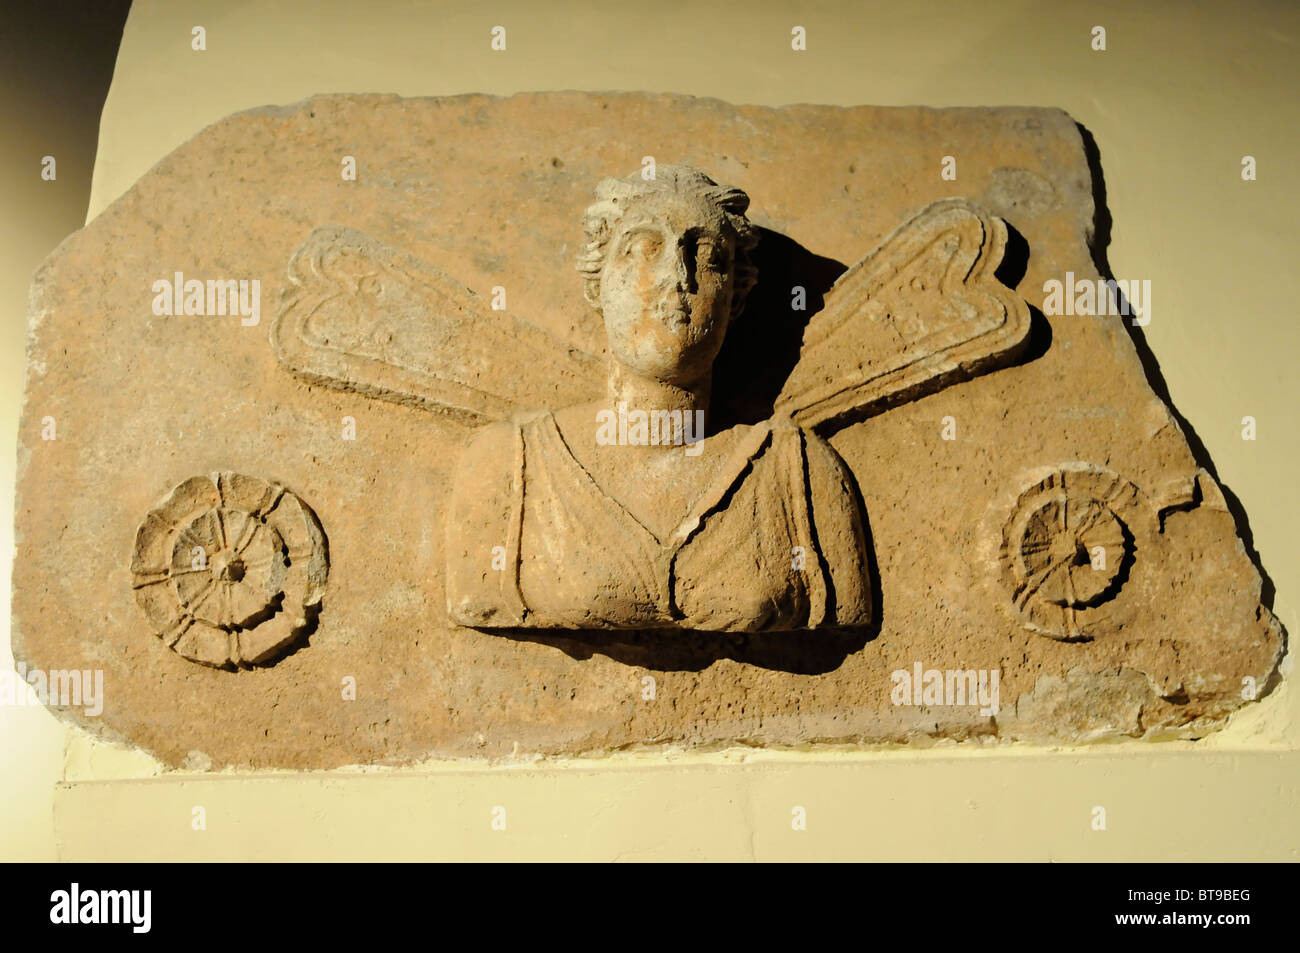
{"x":920,"y":312}
{"x":363,"y":317}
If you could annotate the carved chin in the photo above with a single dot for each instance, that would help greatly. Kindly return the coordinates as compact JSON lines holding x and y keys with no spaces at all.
{"x":664,"y":351}
{"x":671,"y":360}
{"x":652,"y":363}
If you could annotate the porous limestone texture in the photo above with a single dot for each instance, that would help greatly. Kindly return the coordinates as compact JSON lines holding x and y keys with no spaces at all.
{"x":245,"y":512}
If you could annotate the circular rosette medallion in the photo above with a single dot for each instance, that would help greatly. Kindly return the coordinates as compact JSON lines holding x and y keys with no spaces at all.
{"x":228,"y":568}
{"x":1068,"y":548}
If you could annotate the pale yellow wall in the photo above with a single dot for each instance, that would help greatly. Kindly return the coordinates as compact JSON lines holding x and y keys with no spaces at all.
{"x":1183,"y":91}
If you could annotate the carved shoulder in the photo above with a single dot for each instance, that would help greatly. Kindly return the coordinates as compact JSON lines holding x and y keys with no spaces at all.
{"x":841,"y":538}
{"x":483,"y":529}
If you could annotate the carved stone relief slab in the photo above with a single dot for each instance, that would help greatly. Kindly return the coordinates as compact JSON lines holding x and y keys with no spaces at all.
{"x":794,"y":456}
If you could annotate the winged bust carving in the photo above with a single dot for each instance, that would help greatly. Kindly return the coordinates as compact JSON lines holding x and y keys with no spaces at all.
{"x":591,"y":492}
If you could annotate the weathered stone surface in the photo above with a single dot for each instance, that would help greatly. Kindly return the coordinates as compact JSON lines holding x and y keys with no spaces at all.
{"x":229,"y":569}
{"x":977,"y":550}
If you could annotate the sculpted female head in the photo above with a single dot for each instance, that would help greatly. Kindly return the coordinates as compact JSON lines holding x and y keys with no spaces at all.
{"x":667,"y":264}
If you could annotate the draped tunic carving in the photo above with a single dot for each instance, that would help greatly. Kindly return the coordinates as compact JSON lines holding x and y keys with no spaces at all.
{"x":774,"y":543}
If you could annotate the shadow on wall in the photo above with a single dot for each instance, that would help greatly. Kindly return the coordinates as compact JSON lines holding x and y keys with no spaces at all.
{"x":1100,"y":242}
{"x":57,"y":59}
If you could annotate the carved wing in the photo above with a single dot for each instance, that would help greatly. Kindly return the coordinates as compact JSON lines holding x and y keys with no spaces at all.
{"x":922,"y":310}
{"x":361,"y":316}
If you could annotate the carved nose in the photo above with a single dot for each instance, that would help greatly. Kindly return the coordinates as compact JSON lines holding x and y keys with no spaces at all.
{"x":685,"y":268}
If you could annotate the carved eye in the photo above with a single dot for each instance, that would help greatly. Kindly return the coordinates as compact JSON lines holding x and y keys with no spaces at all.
{"x":712,"y":256}
{"x":642,"y":245}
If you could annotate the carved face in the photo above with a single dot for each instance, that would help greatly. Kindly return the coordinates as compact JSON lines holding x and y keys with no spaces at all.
{"x":666,"y":287}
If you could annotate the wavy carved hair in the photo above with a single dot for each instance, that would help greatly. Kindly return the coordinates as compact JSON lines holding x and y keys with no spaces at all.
{"x":615,"y":196}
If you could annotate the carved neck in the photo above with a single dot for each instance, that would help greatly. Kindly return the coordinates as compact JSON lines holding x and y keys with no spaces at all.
{"x":647,"y":393}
